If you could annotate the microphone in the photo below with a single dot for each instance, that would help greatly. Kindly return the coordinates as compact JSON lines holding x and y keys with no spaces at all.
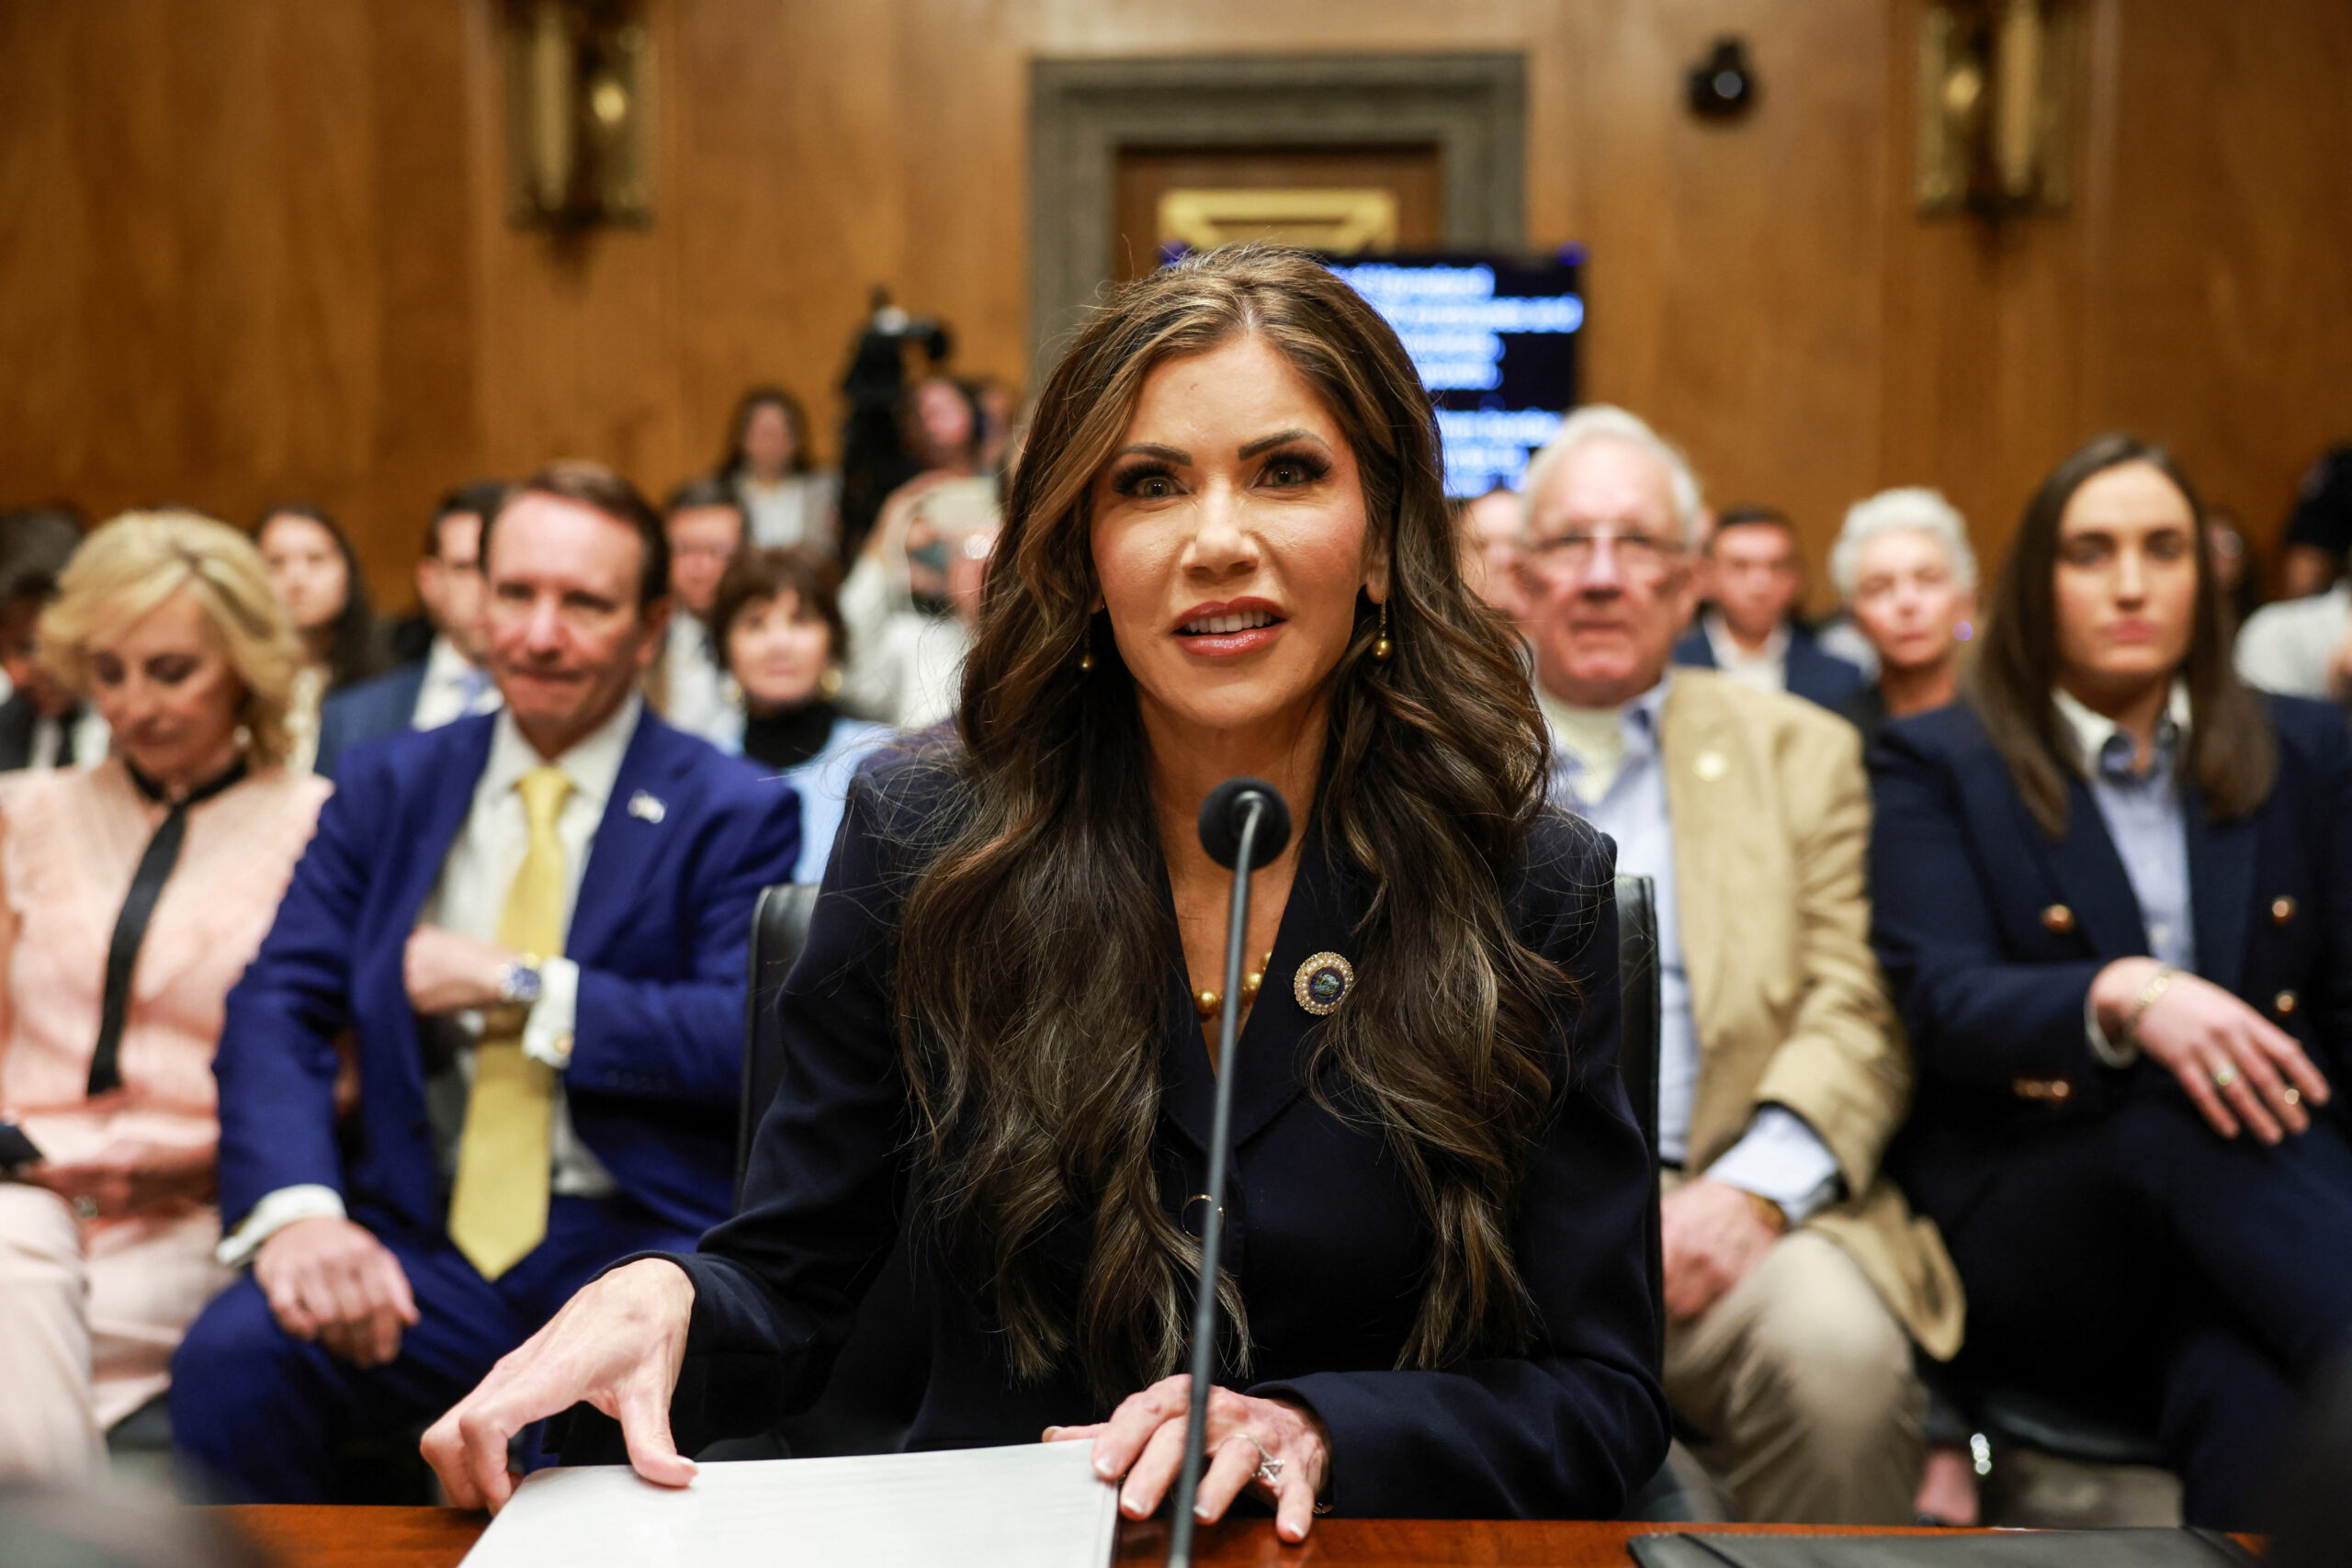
{"x":1244,"y":824}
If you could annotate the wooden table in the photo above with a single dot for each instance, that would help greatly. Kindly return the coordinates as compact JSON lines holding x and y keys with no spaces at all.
{"x":438,"y":1538}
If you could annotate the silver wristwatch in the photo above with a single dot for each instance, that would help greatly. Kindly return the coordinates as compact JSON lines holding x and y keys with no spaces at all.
{"x":518,"y":982}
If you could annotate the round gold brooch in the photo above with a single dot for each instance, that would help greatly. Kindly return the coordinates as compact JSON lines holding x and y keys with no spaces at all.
{"x":1323,"y":983}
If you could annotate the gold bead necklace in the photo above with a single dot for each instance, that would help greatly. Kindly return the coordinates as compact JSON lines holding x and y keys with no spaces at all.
{"x":1207,"y":1002}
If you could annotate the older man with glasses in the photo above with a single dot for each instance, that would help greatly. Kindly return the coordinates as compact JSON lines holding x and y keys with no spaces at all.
{"x":1796,"y":1280}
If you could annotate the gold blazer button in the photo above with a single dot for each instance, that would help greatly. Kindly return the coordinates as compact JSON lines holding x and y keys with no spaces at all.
{"x":2282,"y":910}
{"x":2285,"y":1003}
{"x":2059,"y":918}
{"x":2052,"y":1091}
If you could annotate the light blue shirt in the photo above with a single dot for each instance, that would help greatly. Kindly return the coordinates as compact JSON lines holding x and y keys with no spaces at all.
{"x":2144,"y":815}
{"x":1779,"y":1156}
{"x":823,"y":782}
{"x":2147,"y":824}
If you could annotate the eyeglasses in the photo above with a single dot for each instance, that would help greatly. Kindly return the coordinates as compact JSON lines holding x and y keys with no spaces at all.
{"x":1637,"y":554}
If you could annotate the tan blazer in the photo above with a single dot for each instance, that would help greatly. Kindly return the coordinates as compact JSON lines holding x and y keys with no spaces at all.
{"x":1772,"y":824}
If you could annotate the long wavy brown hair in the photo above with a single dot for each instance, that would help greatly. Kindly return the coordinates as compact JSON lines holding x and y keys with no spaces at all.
{"x":1038,"y":939}
{"x":2233,"y":755}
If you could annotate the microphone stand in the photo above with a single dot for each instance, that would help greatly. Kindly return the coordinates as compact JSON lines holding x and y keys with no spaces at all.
{"x":1251,"y":809}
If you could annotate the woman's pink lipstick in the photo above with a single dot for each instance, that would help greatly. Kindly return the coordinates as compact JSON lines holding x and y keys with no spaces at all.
{"x":1262,"y":622}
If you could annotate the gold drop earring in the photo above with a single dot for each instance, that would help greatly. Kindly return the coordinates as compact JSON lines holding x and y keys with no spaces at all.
{"x":1381,"y":647}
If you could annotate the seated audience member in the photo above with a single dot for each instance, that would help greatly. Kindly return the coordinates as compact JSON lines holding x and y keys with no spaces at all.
{"x":779,"y":619}
{"x":994,"y":1028}
{"x":2112,"y":888}
{"x":43,"y":722}
{"x":2233,"y":566}
{"x":1753,"y":578}
{"x":2300,"y":647}
{"x":688,"y":683}
{"x":532,"y":926}
{"x":1491,"y":529}
{"x":784,"y":498}
{"x":1796,"y":1280}
{"x":317,"y":578}
{"x":449,"y":681}
{"x":909,"y":602}
{"x":1001,"y":416}
{"x":2319,"y":530}
{"x":1902,"y":567}
{"x":112,"y":1001}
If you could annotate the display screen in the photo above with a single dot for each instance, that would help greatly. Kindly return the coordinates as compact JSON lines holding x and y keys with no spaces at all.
{"x":1495,"y":340}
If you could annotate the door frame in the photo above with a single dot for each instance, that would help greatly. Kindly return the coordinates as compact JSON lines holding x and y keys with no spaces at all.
{"x":1082,"y":112}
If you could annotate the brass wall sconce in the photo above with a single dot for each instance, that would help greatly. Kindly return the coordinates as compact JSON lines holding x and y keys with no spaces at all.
{"x":579,"y":112}
{"x":1998,"y":105}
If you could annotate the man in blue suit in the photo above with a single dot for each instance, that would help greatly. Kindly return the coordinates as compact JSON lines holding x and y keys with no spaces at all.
{"x":451,"y":681}
{"x":527,"y":930}
{"x":1755,"y":579}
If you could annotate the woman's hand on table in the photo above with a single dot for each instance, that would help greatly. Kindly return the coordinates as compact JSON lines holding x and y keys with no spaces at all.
{"x":2236,"y":1065}
{"x":617,"y":1345}
{"x":1144,"y":1441}
{"x":131,"y":1177}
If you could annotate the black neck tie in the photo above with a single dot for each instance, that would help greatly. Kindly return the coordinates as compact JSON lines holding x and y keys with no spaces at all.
{"x":66,"y":724}
{"x":139,"y":907}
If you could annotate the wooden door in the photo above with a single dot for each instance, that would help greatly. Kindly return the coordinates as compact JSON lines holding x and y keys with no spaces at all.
{"x":1351,"y":201}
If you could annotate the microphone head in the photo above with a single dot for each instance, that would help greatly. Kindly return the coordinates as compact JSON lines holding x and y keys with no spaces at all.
{"x":1227,"y":808}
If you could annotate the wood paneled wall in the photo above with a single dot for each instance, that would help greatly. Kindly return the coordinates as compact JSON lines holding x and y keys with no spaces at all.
{"x":258,"y":248}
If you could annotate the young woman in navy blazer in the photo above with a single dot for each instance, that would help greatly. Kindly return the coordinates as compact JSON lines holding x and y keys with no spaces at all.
{"x":1225,"y":551}
{"x":2113,"y":895}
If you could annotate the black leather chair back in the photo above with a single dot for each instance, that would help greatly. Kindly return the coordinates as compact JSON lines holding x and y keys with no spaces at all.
{"x":878,"y":1377}
{"x":1637,"y":1049}
{"x":779,"y":930}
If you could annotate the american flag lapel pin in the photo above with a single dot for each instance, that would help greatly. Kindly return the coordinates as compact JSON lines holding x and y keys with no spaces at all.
{"x":647,"y":807}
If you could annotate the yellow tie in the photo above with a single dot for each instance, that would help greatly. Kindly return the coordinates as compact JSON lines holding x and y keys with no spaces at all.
{"x":498,"y":1210}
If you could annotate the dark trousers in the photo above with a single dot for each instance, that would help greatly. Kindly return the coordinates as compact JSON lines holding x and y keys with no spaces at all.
{"x":2143,"y":1265}
{"x":262,"y":1416}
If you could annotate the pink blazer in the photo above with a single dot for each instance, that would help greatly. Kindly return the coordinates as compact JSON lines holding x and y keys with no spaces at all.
{"x":69,"y":843}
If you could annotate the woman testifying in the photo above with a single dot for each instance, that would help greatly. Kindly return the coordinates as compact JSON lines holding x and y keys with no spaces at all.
{"x":1226,"y":551}
{"x":2114,"y":898}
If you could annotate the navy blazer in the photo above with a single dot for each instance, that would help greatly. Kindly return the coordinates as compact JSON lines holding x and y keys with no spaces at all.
{"x":1813,"y":672}
{"x":1990,"y":932}
{"x":660,"y":932}
{"x":372,"y":710}
{"x":1325,"y":1239}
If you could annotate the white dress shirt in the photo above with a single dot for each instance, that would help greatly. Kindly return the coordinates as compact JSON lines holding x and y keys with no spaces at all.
{"x":2286,"y":648}
{"x":470,"y":899}
{"x":698,"y":696}
{"x":455,"y":688}
{"x":1766,"y":671}
{"x":795,"y":509}
{"x":1620,"y":789}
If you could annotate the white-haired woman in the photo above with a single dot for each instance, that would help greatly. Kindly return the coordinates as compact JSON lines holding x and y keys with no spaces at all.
{"x":131,"y":896}
{"x":1903,"y":565}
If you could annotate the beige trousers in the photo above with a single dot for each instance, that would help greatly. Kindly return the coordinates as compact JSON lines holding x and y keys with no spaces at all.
{"x":1802,"y":1382}
{"x":88,"y":1328}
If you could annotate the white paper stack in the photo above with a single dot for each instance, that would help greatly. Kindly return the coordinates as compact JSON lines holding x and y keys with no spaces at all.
{"x":1038,"y":1506}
